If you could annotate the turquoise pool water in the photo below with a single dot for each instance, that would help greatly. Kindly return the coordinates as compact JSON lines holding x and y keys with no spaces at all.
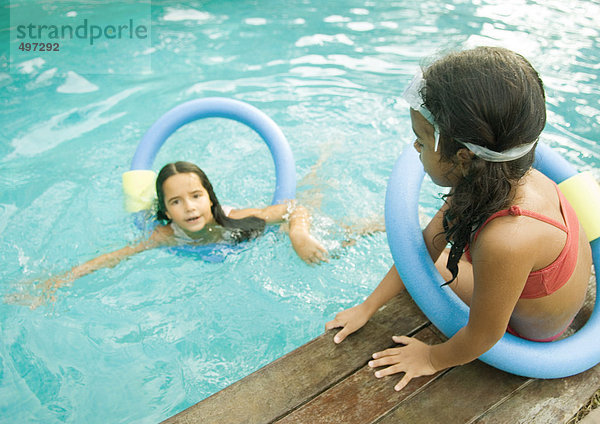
{"x":158,"y":333}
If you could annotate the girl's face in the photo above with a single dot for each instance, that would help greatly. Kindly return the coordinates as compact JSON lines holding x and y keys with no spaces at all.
{"x":442,"y":172}
{"x":187,"y":202}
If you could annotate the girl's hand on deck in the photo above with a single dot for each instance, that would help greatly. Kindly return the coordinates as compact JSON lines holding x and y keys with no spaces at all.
{"x":414,"y":359}
{"x":351,"y":320}
{"x":308,"y":248}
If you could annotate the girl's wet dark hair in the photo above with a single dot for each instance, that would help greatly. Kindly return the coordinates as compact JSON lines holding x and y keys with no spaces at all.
{"x":242,"y":229}
{"x":492,"y":97}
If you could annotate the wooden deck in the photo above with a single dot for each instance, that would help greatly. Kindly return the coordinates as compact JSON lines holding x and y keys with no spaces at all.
{"x":321,"y":382}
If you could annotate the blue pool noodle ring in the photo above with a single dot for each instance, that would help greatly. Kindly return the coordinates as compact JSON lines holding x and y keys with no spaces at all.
{"x":220,"y":107}
{"x":562,"y":358}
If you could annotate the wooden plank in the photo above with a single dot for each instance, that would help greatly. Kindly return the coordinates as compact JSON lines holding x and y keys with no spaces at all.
{"x":545,"y":401}
{"x":459,"y":395}
{"x":302,"y":374}
{"x":360,"y":398}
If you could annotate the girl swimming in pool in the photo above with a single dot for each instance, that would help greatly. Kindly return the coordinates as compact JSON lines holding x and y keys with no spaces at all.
{"x":518,"y":257}
{"x":191,"y":213}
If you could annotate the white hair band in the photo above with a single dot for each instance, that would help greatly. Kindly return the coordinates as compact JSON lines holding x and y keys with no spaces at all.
{"x":412,"y":95}
{"x":505,"y":156}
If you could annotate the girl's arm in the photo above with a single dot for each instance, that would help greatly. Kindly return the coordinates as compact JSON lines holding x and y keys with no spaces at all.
{"x":354,"y":318}
{"x":159,"y":237}
{"x":305,"y":245}
{"x":271,"y":214}
{"x":499,"y":282}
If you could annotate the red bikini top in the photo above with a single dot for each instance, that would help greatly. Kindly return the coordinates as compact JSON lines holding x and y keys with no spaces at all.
{"x":547,"y":280}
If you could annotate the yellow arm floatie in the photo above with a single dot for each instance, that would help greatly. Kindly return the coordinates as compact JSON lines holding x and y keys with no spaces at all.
{"x":583,"y":193}
{"x":138,"y":188}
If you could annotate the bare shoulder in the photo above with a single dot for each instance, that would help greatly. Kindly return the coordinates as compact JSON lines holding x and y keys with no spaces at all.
{"x":162,"y":235}
{"x":519,"y":231}
{"x":538,"y":193}
{"x":507,"y":240}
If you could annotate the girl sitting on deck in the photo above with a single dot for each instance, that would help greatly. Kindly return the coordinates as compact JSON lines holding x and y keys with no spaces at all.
{"x":191,"y":213}
{"x":518,"y":257}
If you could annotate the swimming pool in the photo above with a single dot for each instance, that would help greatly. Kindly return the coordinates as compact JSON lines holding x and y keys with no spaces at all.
{"x":154,"y":335}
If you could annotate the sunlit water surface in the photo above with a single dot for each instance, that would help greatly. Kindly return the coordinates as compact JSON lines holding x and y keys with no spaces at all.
{"x":158,"y":333}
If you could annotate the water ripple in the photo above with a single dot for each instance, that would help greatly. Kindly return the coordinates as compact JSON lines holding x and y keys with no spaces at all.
{"x":67,"y":126}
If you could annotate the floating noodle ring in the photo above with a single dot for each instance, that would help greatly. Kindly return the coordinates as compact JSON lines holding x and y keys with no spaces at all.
{"x":447,"y":312}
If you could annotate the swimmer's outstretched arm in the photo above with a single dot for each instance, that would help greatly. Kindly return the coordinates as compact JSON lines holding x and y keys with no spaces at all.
{"x":305,"y":245}
{"x":158,"y":238}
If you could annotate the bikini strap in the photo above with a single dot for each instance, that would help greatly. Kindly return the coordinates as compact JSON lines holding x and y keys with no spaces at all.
{"x":517,"y":211}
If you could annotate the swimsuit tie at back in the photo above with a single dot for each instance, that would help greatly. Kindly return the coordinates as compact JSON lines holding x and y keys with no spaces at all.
{"x":515,"y":210}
